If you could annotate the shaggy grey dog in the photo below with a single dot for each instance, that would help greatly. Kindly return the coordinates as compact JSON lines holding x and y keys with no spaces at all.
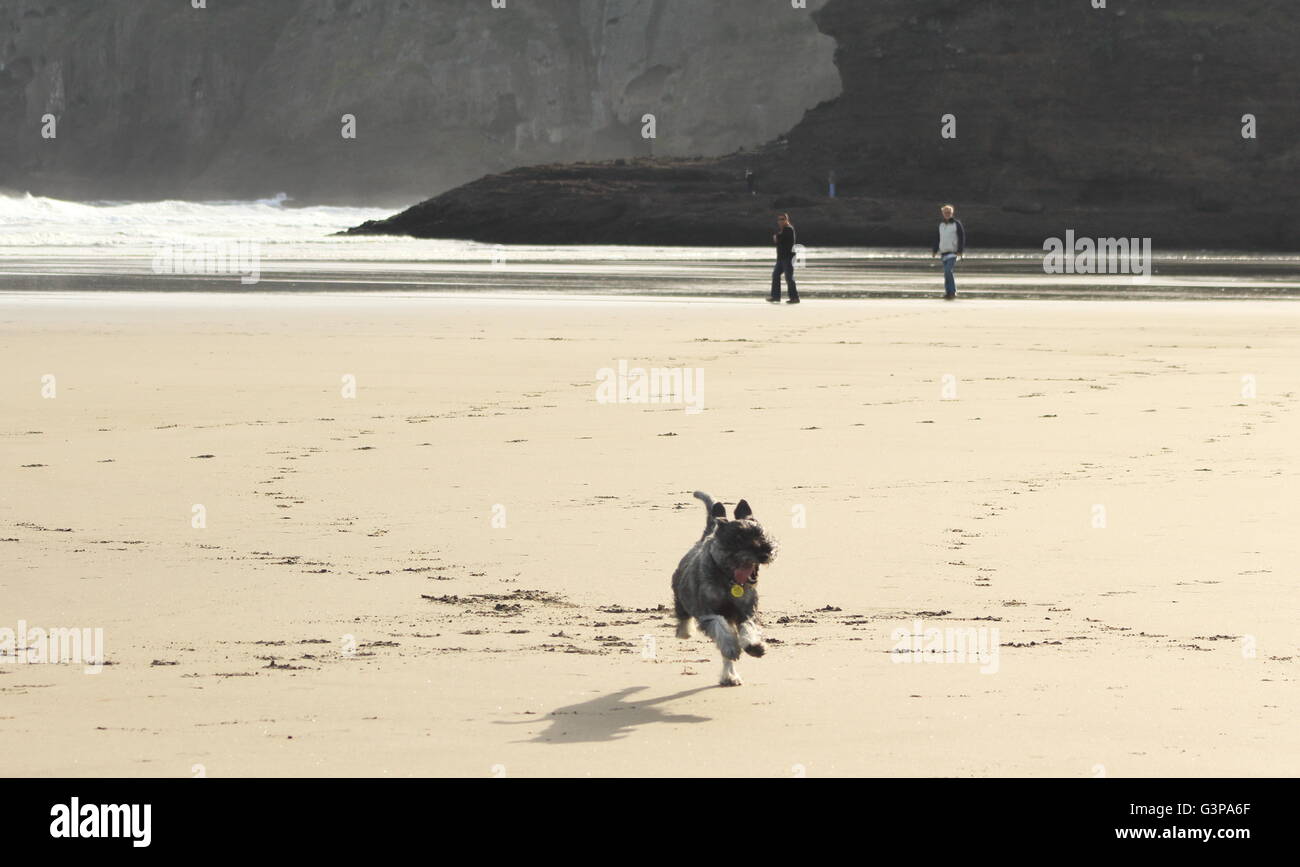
{"x":717,"y":583}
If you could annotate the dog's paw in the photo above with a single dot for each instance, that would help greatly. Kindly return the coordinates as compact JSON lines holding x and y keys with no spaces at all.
{"x":756,"y":649}
{"x":684,"y":629}
{"x":731,"y":680}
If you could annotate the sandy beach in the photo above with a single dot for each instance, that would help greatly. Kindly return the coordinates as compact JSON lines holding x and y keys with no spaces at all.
{"x":463,"y":570}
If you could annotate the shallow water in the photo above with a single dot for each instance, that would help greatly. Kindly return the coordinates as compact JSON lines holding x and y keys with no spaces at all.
{"x":48,"y":245}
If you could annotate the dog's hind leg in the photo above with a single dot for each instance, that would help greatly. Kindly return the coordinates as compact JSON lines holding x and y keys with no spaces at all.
{"x":724,"y":636}
{"x":751,"y":638}
{"x":683,"y":620}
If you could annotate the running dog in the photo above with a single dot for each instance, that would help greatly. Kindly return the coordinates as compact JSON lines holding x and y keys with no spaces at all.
{"x":716,"y":583}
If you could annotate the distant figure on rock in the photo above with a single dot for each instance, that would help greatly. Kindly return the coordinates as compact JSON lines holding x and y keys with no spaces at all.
{"x":749,"y":182}
{"x":950,"y":243}
{"x":784,"y":240}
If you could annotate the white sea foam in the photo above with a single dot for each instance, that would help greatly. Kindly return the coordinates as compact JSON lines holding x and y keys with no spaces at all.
{"x":40,"y":222}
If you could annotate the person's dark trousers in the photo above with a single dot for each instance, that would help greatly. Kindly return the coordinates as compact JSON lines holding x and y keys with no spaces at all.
{"x":784,"y":266}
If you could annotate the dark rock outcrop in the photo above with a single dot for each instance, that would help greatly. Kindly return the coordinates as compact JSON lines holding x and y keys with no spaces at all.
{"x":1117,"y":122}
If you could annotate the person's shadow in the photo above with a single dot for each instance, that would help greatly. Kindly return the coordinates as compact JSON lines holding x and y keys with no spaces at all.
{"x":609,"y":717}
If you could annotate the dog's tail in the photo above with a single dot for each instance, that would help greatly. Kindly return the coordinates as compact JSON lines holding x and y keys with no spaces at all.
{"x":715,"y":510}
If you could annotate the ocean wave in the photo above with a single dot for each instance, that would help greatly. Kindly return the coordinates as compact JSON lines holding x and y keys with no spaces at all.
{"x":38,"y":221}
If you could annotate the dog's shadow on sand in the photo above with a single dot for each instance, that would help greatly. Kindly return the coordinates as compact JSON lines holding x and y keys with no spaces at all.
{"x":610,"y":717}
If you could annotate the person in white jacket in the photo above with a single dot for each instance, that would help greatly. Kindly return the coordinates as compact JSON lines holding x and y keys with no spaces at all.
{"x":950,"y":243}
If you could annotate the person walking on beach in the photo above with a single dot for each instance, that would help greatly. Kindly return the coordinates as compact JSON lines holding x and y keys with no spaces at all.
{"x":950,"y":243}
{"x":784,"y":240}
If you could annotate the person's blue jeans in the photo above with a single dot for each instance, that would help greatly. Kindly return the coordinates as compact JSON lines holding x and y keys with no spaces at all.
{"x":786,"y":267}
{"x":949,"y":282}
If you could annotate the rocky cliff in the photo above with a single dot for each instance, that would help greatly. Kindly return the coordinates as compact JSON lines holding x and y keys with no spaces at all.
{"x":1124,"y":121}
{"x":244,"y":98}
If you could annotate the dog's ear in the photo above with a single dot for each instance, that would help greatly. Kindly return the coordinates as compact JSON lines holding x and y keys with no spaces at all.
{"x":718,"y":511}
{"x":743,"y":511}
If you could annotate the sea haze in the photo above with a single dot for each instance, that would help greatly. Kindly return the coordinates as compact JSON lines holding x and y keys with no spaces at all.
{"x":48,"y":245}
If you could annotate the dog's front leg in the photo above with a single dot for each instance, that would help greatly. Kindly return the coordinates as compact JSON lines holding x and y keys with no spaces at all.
{"x":729,"y":676}
{"x":728,"y":642}
{"x":751,"y":638}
